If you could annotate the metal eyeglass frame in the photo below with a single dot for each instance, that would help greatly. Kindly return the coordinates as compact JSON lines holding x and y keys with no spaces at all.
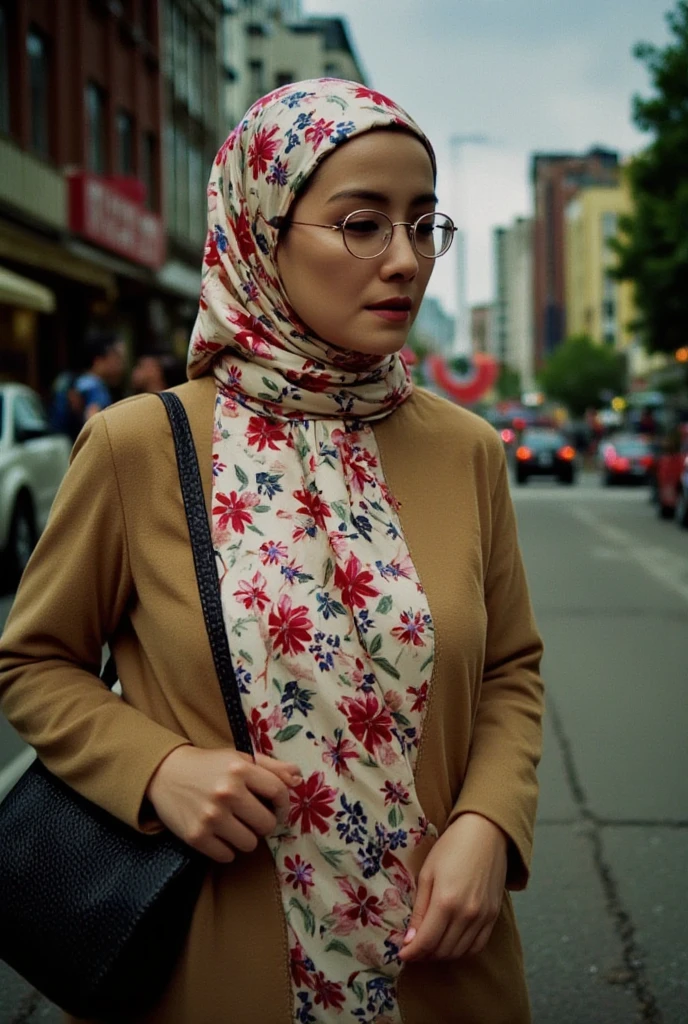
{"x":285,"y":222}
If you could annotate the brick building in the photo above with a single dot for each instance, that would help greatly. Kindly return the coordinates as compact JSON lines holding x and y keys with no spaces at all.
{"x":557,"y":178}
{"x":81,"y":192}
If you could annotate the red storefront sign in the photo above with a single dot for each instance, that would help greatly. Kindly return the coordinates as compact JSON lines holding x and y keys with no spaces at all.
{"x":109,"y":213}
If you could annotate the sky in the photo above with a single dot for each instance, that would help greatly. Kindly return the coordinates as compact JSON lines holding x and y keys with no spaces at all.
{"x":526,"y":75}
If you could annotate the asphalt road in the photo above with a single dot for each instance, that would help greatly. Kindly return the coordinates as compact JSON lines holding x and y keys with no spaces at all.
{"x":604,"y":921}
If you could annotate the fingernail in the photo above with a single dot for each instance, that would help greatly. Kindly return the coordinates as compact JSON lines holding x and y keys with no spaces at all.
{"x":410,"y":934}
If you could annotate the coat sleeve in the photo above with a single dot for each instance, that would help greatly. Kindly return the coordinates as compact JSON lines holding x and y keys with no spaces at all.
{"x":72,"y":596}
{"x":500,"y":781}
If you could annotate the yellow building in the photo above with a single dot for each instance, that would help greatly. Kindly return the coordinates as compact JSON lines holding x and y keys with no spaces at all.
{"x":597,"y":304}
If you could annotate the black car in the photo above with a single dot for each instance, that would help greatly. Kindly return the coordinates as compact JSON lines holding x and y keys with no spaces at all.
{"x":545,"y":453}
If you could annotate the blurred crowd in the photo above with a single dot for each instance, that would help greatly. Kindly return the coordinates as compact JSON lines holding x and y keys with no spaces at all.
{"x":78,"y":395}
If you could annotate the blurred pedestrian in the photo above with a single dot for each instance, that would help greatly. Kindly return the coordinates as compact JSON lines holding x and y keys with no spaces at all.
{"x":374,"y":599}
{"x":157,"y":371}
{"x":105,"y":369}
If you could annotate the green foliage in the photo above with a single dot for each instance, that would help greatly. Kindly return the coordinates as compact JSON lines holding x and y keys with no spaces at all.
{"x":508,"y":383}
{"x":654,"y":250}
{"x":580,"y":372}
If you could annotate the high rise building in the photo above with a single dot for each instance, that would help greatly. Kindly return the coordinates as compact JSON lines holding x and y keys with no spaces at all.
{"x":557,"y":178}
{"x":80,"y":178}
{"x":512,"y":320}
{"x":267,"y":44}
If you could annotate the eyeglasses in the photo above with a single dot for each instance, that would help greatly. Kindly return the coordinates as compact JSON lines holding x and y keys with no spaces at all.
{"x":368,"y":233}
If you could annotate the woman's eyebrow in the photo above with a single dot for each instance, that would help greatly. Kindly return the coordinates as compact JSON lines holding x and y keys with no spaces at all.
{"x":378,"y":197}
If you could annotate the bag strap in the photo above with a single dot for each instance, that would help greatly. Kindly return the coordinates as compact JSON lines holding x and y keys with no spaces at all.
{"x":206,"y":570}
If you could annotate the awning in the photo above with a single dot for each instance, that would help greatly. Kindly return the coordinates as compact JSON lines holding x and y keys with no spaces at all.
{"x":16,"y":290}
{"x":181,"y":279}
{"x":21,"y":246}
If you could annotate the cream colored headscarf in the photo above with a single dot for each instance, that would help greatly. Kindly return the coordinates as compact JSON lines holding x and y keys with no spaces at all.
{"x":265,"y":353}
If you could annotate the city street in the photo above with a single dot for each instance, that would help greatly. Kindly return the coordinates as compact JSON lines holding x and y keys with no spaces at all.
{"x":604,"y":921}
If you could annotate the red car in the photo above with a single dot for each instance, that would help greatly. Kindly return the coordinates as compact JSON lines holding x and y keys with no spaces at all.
{"x":627,"y":458}
{"x":671,"y":471}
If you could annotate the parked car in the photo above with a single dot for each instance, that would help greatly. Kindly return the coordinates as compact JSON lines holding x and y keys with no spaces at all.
{"x":544,"y":452}
{"x":33,"y":460}
{"x":670,"y":474}
{"x":626,"y":458}
{"x":682,"y":502}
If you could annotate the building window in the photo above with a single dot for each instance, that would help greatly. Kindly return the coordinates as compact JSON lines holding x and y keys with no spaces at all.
{"x":195,"y":74}
{"x":39,"y":86}
{"x":170,"y":177}
{"x":125,"y":143}
{"x":4,"y":74}
{"x":609,"y":227}
{"x":256,"y":78}
{"x":149,"y":169}
{"x":210,"y":87}
{"x":283,"y":78}
{"x":197,"y":195}
{"x":181,"y":55}
{"x":95,"y":128}
{"x":181,"y":177}
{"x":610,"y":338}
{"x":147,"y":14}
{"x":609,"y":309}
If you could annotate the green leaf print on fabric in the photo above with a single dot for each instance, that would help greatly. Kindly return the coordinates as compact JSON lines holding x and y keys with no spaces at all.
{"x":270,"y":384}
{"x":241,"y":476}
{"x":340,"y":509}
{"x":333,"y":858}
{"x":306,"y":913}
{"x":385,"y":605}
{"x":375,"y":644}
{"x":335,"y":946}
{"x":246,"y":656}
{"x":288,"y":734}
{"x":387,"y":667}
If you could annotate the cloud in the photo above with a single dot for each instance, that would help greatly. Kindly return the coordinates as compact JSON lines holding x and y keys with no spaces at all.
{"x":547,"y":75}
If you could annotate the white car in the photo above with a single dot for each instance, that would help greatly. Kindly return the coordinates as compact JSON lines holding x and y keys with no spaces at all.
{"x":33,"y":461}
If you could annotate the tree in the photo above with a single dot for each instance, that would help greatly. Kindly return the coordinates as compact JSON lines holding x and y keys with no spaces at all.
{"x":508,"y":383}
{"x":653,"y":249}
{"x":580,"y":373}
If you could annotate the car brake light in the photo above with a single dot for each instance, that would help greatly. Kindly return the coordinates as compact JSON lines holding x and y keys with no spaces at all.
{"x":507,"y":435}
{"x":646,"y":460}
{"x":621,"y":464}
{"x":567,"y":452}
{"x":524,"y":453}
{"x":609,"y":455}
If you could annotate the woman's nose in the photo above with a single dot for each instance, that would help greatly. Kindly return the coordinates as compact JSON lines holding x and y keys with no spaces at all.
{"x":400,"y":256}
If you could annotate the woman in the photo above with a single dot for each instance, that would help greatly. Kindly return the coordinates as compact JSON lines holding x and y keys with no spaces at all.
{"x":373,"y":594}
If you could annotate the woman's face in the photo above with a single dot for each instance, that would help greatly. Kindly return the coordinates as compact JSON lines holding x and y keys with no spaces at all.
{"x":332,"y":291}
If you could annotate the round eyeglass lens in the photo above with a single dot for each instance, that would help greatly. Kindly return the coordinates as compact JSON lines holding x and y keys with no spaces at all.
{"x":433,"y":234}
{"x":367,"y":233}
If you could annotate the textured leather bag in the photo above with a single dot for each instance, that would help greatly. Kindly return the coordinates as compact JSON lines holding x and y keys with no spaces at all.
{"x":93,"y":913}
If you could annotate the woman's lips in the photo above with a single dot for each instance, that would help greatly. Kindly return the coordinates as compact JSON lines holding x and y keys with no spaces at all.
{"x":398,"y":316}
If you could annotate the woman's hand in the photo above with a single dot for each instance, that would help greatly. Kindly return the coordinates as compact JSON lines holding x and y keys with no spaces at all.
{"x":460,"y":892}
{"x":215,"y":800}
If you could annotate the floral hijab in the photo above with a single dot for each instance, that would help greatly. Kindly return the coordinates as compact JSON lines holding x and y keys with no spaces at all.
{"x":267,"y":356}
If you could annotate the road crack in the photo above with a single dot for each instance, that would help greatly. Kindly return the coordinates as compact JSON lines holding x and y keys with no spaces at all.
{"x":633,"y":963}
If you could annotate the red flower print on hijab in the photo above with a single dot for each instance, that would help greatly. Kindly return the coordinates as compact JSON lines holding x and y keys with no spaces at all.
{"x":362,"y":93}
{"x":318,"y":132}
{"x":327,"y":993}
{"x":312,"y":505}
{"x":311,"y":803}
{"x":369,"y":721}
{"x":354,"y":582}
{"x":263,"y":147}
{"x":259,"y":731}
{"x":290,"y":628}
{"x":264,"y":433}
{"x":252,"y":595}
{"x":362,"y":908}
{"x":411,"y":629}
{"x":232,"y":508}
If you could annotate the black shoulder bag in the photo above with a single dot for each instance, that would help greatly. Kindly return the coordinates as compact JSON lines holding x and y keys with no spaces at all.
{"x":93,"y":913}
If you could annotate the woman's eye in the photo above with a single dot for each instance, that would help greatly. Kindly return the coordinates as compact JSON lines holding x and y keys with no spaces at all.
{"x":362,"y":227}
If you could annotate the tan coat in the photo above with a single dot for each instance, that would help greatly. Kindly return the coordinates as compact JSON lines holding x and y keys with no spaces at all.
{"x":115,"y":563}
